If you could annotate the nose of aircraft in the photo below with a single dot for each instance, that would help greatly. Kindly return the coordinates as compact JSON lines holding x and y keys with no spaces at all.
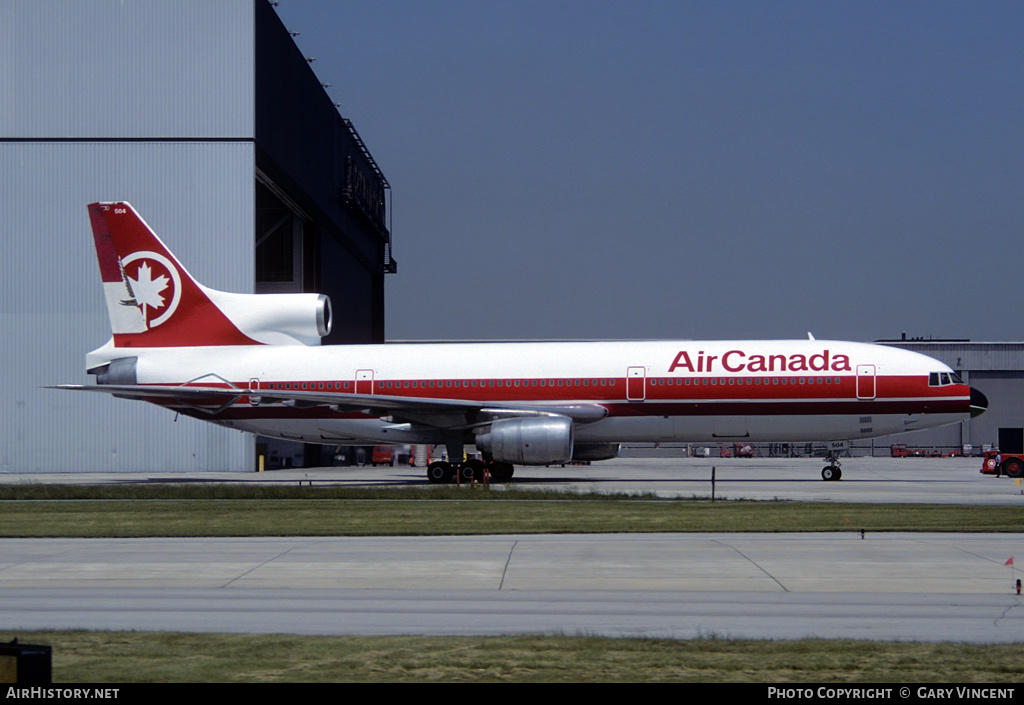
{"x":979,"y":402}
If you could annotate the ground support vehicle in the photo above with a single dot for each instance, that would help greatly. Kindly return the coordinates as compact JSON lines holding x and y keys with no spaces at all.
{"x":1009,"y":464}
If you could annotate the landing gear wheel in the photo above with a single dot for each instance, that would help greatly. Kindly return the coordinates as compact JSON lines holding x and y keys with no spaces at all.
{"x":440,"y":472}
{"x":501,"y":472}
{"x":830,"y":473}
{"x":472,"y":469}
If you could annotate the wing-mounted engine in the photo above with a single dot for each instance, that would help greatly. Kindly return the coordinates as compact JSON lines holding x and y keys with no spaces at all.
{"x":277,"y":319}
{"x":535,"y":440}
{"x":595,"y":451}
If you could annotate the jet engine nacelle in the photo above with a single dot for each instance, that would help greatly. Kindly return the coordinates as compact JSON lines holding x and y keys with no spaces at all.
{"x":277,"y":319}
{"x":539,"y":440}
{"x":595,"y":451}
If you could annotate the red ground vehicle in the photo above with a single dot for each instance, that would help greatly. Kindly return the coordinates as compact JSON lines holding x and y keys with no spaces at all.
{"x":383,"y":455}
{"x":739,"y":450}
{"x":900,"y":450}
{"x":1012,"y":464}
{"x":743,"y":450}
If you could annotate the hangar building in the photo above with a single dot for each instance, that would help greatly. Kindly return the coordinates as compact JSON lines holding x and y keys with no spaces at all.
{"x":207,"y":118}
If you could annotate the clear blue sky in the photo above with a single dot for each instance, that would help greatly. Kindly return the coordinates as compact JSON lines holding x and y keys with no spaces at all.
{"x":610,"y":169}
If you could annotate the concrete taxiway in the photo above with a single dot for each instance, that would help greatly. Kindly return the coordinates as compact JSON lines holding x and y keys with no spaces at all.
{"x":931,"y":587}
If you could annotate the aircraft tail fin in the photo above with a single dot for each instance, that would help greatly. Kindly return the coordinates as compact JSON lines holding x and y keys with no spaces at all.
{"x":153,"y":301}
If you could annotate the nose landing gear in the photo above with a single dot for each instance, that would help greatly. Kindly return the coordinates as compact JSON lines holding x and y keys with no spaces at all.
{"x":832,"y":471}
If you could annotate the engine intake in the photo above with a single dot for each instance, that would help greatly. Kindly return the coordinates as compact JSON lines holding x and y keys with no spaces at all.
{"x":540,"y":440}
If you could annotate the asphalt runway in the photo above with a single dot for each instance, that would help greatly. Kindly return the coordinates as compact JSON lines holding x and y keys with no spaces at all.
{"x":930,"y":587}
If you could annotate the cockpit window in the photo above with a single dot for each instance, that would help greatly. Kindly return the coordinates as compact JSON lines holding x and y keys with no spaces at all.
{"x":942,"y":379}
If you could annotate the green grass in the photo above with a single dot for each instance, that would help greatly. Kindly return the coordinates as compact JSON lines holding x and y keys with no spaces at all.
{"x":209,"y":509}
{"x":230,"y":510}
{"x":132,"y":657}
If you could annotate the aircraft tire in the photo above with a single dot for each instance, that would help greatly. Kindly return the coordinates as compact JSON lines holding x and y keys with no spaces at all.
{"x":1013,"y":468}
{"x":473,"y":469}
{"x":831,"y":473}
{"x":501,"y":472}
{"x":440,"y":472}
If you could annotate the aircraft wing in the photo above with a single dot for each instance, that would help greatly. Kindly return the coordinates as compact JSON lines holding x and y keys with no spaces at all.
{"x":441,"y":413}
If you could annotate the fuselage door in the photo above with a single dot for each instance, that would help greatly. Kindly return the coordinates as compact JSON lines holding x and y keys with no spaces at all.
{"x":865,"y":381}
{"x":254,"y":391}
{"x":364,"y":381}
{"x":636,"y":383}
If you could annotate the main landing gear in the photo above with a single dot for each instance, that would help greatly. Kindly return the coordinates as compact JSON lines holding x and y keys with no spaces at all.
{"x":832,"y":471}
{"x":443,"y":472}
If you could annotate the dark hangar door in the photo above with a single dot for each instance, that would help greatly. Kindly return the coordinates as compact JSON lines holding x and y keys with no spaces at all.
{"x":1011,"y":440}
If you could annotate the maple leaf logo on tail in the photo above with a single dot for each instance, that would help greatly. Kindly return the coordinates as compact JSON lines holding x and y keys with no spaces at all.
{"x":152,"y":301}
{"x":148,"y":282}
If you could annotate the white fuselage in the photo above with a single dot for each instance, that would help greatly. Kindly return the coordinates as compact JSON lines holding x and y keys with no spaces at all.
{"x":691,"y":391}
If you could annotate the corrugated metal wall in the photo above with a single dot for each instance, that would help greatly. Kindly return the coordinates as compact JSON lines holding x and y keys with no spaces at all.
{"x":53,"y":311}
{"x":108,"y":68}
{"x":149,"y":102}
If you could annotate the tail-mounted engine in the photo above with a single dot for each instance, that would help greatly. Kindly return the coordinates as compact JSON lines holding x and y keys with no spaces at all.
{"x":278,"y":319}
{"x":536,"y":440}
